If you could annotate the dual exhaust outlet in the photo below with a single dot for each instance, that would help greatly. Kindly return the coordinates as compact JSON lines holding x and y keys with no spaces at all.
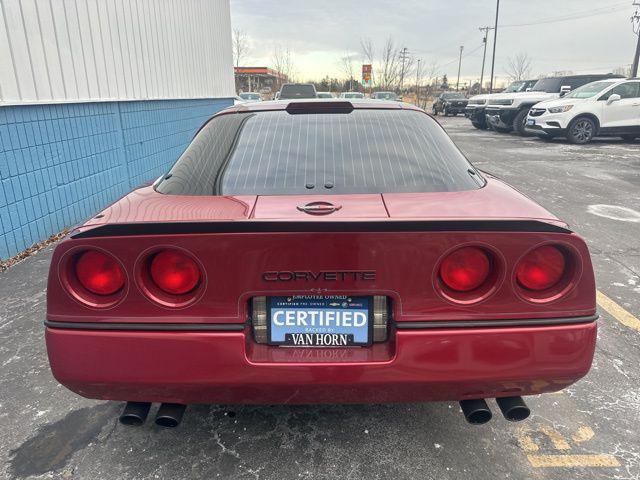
{"x":477,"y":411}
{"x":169,"y":414}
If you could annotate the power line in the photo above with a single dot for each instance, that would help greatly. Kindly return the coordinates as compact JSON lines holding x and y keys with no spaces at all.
{"x":568,"y":17}
{"x":486,"y":31}
{"x":404,"y":56}
{"x":464,"y":56}
{"x":635,"y":19}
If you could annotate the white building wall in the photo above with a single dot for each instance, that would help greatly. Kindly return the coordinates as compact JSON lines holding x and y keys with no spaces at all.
{"x":98,"y":50}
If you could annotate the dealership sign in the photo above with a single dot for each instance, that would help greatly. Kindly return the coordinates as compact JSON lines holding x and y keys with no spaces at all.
{"x":366,"y":75}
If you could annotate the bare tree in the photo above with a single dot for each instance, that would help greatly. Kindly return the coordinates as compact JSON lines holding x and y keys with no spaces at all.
{"x":240,"y":46}
{"x":389,"y":69}
{"x":348,"y":68}
{"x":282,"y":60}
{"x":519,"y":67}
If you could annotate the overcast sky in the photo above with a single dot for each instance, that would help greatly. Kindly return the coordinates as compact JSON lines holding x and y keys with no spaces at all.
{"x":596,"y":36}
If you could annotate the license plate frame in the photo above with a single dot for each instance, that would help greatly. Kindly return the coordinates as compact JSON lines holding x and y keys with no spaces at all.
{"x":315,"y":302}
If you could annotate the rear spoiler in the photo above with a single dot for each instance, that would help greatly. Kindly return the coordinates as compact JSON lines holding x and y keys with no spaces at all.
{"x":266,"y":226}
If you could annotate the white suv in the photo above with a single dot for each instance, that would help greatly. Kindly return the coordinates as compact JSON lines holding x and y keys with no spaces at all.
{"x":604,"y":108}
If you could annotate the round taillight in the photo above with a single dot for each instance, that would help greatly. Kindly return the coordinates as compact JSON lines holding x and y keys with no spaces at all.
{"x":174,"y":272}
{"x":99,"y":273}
{"x":465,"y":269}
{"x":541,"y":268}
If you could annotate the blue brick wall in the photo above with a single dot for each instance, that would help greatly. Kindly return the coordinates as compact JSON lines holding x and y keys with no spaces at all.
{"x":59,"y":164}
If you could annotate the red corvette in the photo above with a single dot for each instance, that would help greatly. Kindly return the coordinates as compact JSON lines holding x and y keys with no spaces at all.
{"x":321,"y":252}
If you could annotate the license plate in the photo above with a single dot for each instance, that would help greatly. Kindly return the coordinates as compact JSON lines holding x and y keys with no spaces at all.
{"x":531,"y":122}
{"x":320,"y":320}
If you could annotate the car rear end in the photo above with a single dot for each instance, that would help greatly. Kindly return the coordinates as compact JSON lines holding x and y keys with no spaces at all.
{"x":432,"y":333}
{"x":299,"y":282}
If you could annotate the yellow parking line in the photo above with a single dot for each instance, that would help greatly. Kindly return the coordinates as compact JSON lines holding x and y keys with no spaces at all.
{"x":619,"y":313}
{"x":559,"y":443}
{"x":550,"y":461}
{"x":584,"y":434}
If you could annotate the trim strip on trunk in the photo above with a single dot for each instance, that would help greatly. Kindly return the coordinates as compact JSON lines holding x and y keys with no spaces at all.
{"x":149,"y":327}
{"x":534,"y":322}
{"x":238,"y":327}
{"x":259,"y":226}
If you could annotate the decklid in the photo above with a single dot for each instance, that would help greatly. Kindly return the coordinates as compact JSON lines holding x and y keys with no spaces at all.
{"x":496,"y":202}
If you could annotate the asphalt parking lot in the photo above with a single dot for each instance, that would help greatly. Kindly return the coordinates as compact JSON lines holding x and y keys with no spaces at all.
{"x":588,"y":431}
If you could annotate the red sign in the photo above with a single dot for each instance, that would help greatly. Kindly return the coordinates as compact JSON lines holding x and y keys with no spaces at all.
{"x":366,"y":75}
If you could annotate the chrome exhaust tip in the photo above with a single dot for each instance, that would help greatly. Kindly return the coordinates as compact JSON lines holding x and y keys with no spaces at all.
{"x":170,"y":415}
{"x":476,"y":411}
{"x":135,"y":413}
{"x":513,"y":408}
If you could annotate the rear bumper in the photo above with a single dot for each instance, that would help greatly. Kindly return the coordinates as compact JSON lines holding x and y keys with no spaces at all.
{"x":229,"y":367}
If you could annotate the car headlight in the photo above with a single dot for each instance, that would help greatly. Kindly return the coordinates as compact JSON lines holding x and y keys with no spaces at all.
{"x":562,"y":109}
{"x":501,"y":102}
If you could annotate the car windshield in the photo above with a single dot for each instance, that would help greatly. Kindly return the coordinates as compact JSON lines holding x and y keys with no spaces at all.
{"x":452,"y":95}
{"x":514,"y":87}
{"x":297,"y":91}
{"x":386,"y":95}
{"x":250,"y":96}
{"x":589,"y":90}
{"x":549,"y":85}
{"x":278,"y":153}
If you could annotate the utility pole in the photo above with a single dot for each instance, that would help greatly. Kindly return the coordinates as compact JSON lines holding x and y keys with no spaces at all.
{"x":418,"y":83}
{"x":459,"y":66}
{"x":484,"y":55}
{"x":404,"y":56}
{"x":495,"y":40}
{"x":635,"y":19}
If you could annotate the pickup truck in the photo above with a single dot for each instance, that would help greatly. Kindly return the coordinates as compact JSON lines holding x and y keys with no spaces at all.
{"x":475,"y":110}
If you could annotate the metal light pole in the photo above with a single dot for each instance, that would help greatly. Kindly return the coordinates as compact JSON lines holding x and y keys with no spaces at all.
{"x":495,"y":40}
{"x":636,"y":58}
{"x":459,"y":66}
{"x":418,"y":83}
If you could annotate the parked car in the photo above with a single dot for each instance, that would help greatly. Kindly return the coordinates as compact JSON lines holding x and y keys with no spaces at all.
{"x":296,"y":91}
{"x":604,"y":108}
{"x":355,"y":95}
{"x":250,"y":96}
{"x":508,"y":112}
{"x":325,"y":95}
{"x":475,"y":110}
{"x":384,"y":96}
{"x":449,"y":103}
{"x":356,"y":257}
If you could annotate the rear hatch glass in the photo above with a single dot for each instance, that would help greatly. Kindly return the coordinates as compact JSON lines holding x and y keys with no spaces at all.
{"x":278,"y":153}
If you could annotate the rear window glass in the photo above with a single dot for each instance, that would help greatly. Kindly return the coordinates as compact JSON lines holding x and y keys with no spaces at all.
{"x":277,"y":153}
{"x":549,"y":85}
{"x":297,"y":91}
